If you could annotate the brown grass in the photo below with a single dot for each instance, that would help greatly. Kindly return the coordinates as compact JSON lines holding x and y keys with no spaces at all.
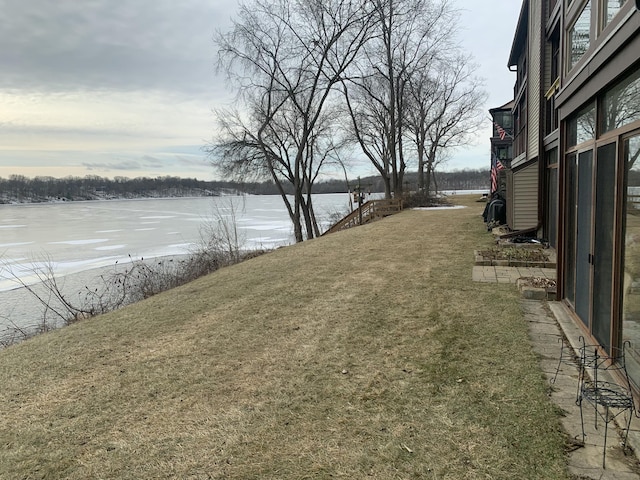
{"x":368,"y":353}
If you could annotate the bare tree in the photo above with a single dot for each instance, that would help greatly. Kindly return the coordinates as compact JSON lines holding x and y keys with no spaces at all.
{"x":285,"y":58}
{"x":410,"y":36}
{"x":621,"y":105}
{"x":445,"y":111}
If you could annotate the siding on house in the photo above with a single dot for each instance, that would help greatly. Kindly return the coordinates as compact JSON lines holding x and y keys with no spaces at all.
{"x":525,"y":197}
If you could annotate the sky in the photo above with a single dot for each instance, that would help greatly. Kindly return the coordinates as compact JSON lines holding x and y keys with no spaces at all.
{"x":128,"y":87}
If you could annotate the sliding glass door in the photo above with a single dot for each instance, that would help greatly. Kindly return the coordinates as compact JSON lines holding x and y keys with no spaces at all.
{"x":583,"y":235}
{"x":631,"y":256}
{"x":603,"y":243}
{"x":591,"y":217}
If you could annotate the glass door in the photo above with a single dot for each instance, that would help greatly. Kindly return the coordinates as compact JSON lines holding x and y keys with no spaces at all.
{"x":603,"y":243}
{"x":591,"y":217}
{"x":584,"y":257}
{"x":631,"y":256}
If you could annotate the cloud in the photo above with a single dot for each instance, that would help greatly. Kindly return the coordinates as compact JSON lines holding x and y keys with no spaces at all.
{"x":157,"y":161}
{"x":128,"y":165}
{"x":128,"y":85}
{"x":144,"y":44}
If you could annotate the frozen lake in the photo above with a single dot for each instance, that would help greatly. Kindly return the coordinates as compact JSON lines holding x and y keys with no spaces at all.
{"x":75,"y":238}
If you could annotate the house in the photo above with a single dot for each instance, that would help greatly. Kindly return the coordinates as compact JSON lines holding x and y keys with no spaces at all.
{"x":501,"y":147}
{"x":523,"y":177}
{"x":574,"y":174}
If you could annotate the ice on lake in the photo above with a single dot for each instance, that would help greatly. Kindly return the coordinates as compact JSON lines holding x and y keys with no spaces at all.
{"x":80,"y":242}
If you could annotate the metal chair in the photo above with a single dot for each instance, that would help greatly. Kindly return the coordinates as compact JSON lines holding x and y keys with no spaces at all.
{"x":567,"y":357}
{"x":604,"y":383}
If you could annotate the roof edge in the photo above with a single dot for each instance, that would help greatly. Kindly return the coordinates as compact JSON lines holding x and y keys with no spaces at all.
{"x":520,"y":35}
{"x":507,"y":106}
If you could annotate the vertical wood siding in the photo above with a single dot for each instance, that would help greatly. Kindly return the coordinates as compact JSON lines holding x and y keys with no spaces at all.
{"x":525,"y":198}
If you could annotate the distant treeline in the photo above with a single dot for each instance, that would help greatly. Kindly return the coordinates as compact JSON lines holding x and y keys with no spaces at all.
{"x":21,"y":189}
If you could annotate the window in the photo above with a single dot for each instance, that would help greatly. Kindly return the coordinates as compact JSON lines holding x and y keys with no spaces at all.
{"x":582,"y":126}
{"x":503,"y":152}
{"x":621,"y":104}
{"x":553,"y":56}
{"x":505,"y":120}
{"x":520,"y":124}
{"x":554,"y":43}
{"x":579,"y":36}
{"x":611,"y":8}
{"x":522,"y":72}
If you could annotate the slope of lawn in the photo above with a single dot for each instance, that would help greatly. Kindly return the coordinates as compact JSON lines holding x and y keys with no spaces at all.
{"x":368,"y":353}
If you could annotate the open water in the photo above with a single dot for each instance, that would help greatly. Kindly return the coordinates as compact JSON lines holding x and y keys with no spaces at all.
{"x":79,"y":240}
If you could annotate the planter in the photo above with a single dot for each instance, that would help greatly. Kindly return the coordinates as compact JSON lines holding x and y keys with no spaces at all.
{"x":516,"y":257}
{"x":537,"y":288}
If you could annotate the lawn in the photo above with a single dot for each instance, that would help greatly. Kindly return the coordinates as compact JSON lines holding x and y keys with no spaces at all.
{"x":367,"y":353}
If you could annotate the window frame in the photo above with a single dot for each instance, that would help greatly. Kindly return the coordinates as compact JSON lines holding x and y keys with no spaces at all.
{"x":604,"y":20}
{"x":586,"y":6}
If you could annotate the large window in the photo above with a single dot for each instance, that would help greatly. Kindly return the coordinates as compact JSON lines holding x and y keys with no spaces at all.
{"x":611,"y":8}
{"x":580,"y":36}
{"x":582,"y":126}
{"x":621,"y":104}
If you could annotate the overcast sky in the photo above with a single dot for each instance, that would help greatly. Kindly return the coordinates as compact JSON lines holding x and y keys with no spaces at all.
{"x":127,"y":87}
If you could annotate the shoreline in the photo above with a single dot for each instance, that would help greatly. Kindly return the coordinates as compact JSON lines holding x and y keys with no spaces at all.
{"x":23,"y":315}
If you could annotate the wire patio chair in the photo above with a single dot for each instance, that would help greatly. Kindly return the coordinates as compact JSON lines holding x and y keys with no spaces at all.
{"x":604,"y":384}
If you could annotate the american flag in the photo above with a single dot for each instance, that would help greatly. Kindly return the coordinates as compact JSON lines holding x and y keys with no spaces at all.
{"x":501,"y":131}
{"x":496,"y":166}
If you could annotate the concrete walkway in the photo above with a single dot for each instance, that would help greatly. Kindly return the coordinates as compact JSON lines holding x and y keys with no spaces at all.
{"x":549,"y":329}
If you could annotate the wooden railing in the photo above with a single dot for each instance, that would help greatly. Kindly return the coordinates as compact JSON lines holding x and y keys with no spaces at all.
{"x":367,"y":212}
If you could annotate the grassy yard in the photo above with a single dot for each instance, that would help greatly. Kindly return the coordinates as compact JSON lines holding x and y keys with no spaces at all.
{"x":368,"y":353}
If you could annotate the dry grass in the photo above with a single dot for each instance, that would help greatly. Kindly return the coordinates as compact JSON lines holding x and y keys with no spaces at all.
{"x":369,"y":353}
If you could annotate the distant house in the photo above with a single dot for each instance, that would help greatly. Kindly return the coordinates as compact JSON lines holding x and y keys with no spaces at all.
{"x":524,"y":178}
{"x":575,"y":174}
{"x":501,"y":147}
